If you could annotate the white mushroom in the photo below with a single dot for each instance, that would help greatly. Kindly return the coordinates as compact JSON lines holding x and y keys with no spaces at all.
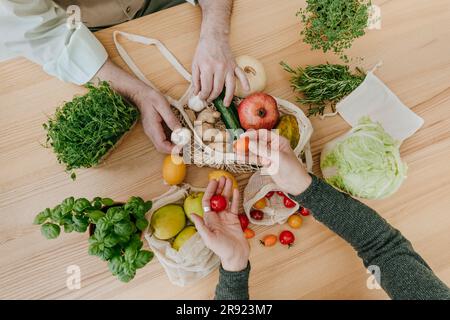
{"x":196,"y":104}
{"x":181,"y":136}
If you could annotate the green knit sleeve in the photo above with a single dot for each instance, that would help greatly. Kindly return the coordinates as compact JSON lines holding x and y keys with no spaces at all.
{"x":233,"y":285}
{"x":403,"y":273}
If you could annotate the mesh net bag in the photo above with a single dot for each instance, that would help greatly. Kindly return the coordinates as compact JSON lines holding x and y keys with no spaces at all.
{"x":275,"y":211}
{"x":193,"y":260}
{"x":200,"y":153}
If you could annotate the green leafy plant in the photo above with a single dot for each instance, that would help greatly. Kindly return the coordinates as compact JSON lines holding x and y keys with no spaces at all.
{"x":365,"y":162}
{"x":323,"y":85}
{"x":83,"y":130}
{"x":116,"y":230}
{"x":334,"y":24}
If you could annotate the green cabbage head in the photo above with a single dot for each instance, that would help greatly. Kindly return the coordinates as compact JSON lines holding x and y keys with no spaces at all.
{"x":365,"y":162}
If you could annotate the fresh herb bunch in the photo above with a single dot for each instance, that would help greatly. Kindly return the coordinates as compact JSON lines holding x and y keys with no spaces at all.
{"x":116,"y":238}
{"x":334,"y":24}
{"x":323,"y":84}
{"x":86,"y":128}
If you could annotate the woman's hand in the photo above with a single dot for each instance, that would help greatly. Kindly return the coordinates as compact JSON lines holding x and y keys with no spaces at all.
{"x":275,"y":154}
{"x":221,"y":231}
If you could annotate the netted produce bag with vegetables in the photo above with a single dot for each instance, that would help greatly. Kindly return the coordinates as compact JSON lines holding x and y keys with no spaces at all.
{"x":214,"y":127}
{"x":365,"y":162}
{"x":264,"y":203}
{"x":172,"y":236}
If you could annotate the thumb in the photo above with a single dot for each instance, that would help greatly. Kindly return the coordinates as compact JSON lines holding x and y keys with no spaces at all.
{"x":202,"y":229}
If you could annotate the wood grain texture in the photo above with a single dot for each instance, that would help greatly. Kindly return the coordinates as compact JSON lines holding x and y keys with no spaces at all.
{"x":414,"y":45}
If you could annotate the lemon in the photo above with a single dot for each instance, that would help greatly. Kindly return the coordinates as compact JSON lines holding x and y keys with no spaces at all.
{"x":216,"y":174}
{"x":173,"y":170}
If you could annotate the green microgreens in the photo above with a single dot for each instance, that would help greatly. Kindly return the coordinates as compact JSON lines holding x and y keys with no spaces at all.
{"x":83,"y":130}
{"x":334,"y":24}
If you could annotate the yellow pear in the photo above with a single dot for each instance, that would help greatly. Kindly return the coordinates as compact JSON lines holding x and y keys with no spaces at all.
{"x":183,"y":236}
{"x":168,"y":221}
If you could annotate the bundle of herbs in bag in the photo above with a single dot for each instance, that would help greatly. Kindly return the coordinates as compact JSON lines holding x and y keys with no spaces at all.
{"x":83,"y":131}
{"x":334,"y":24}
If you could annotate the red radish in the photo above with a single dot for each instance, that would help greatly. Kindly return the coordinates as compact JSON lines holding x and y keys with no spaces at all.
{"x":218,"y":203}
{"x":280,"y":193}
{"x":257,"y":214}
{"x":287,"y":238}
{"x":288,"y":203}
{"x":304,"y":212}
{"x":243,"y":220}
{"x":269,"y":194}
{"x":258,"y":111}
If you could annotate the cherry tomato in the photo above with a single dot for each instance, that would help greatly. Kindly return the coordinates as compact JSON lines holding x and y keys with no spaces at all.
{"x":295,"y":221}
{"x":218,"y":203}
{"x":280,"y":193}
{"x":269,"y":240}
{"x":257,"y":214}
{"x":304,"y":212}
{"x":269,"y":194}
{"x":249,"y":233}
{"x":260,"y":204}
{"x":243,"y":219}
{"x":288,"y":203}
{"x":287,"y":238}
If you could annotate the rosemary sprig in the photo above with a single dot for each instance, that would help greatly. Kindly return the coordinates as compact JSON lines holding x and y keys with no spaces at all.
{"x":334,"y":24}
{"x":83,"y":130}
{"x":323,"y":85}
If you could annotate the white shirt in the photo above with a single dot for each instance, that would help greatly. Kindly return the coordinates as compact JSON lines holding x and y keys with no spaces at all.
{"x":39,"y":31}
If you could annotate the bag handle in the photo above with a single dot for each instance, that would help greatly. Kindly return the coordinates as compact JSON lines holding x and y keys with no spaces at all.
{"x":164,"y":51}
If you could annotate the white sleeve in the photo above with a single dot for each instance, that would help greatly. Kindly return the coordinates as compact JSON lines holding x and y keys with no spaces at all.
{"x":38,"y":31}
{"x":193,"y":2}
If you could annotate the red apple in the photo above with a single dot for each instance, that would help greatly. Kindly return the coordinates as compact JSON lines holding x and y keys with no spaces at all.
{"x":258,"y":111}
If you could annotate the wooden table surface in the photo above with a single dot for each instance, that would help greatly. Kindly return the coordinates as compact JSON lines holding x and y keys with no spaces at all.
{"x":414,"y":45}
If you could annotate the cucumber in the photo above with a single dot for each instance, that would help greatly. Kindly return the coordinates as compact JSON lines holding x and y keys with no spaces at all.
{"x":229,"y":115}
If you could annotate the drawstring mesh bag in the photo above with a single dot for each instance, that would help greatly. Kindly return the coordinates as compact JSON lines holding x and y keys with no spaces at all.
{"x":200,"y":153}
{"x":193,"y":260}
{"x":275,"y":212}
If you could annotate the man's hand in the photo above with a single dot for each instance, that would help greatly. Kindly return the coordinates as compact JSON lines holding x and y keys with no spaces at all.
{"x":214,"y":65}
{"x":221,"y":231}
{"x":154,"y":107}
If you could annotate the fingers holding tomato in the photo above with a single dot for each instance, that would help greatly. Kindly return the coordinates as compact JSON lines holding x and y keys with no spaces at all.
{"x":218,"y":203}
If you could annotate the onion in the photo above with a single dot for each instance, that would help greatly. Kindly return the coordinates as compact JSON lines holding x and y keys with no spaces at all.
{"x":256,"y":75}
